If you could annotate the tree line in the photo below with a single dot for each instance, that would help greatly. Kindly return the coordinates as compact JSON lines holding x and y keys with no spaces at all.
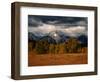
{"x":43,"y":47}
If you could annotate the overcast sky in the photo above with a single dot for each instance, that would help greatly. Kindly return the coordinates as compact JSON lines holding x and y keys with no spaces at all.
{"x":72,"y":26}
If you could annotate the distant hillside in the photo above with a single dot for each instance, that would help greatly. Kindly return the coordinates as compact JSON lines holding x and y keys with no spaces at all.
{"x":56,"y":37}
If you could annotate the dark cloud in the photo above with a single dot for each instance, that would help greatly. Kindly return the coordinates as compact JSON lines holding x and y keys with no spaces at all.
{"x":34,"y":21}
{"x":70,"y":25}
{"x":56,"y":20}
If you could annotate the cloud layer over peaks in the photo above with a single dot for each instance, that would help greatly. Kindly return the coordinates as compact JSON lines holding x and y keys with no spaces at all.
{"x":72,"y":26}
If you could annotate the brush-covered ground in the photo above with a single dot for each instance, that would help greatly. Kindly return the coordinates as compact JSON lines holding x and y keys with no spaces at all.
{"x":56,"y":59}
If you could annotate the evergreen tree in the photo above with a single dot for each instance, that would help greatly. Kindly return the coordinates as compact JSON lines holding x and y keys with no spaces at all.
{"x":72,"y":45}
{"x":42,"y":47}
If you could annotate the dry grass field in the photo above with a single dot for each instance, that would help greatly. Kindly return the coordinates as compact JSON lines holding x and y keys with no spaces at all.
{"x":57,"y":59}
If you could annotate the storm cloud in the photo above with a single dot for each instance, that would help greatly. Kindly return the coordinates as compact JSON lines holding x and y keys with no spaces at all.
{"x":72,"y":26}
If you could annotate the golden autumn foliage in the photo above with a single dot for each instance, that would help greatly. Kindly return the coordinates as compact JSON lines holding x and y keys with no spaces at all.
{"x":70,"y":46}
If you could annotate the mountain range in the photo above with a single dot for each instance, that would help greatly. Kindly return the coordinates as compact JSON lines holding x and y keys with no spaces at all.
{"x":55,"y":37}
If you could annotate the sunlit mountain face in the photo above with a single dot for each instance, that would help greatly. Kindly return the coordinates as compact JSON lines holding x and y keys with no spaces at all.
{"x":55,"y":36}
{"x":57,"y":29}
